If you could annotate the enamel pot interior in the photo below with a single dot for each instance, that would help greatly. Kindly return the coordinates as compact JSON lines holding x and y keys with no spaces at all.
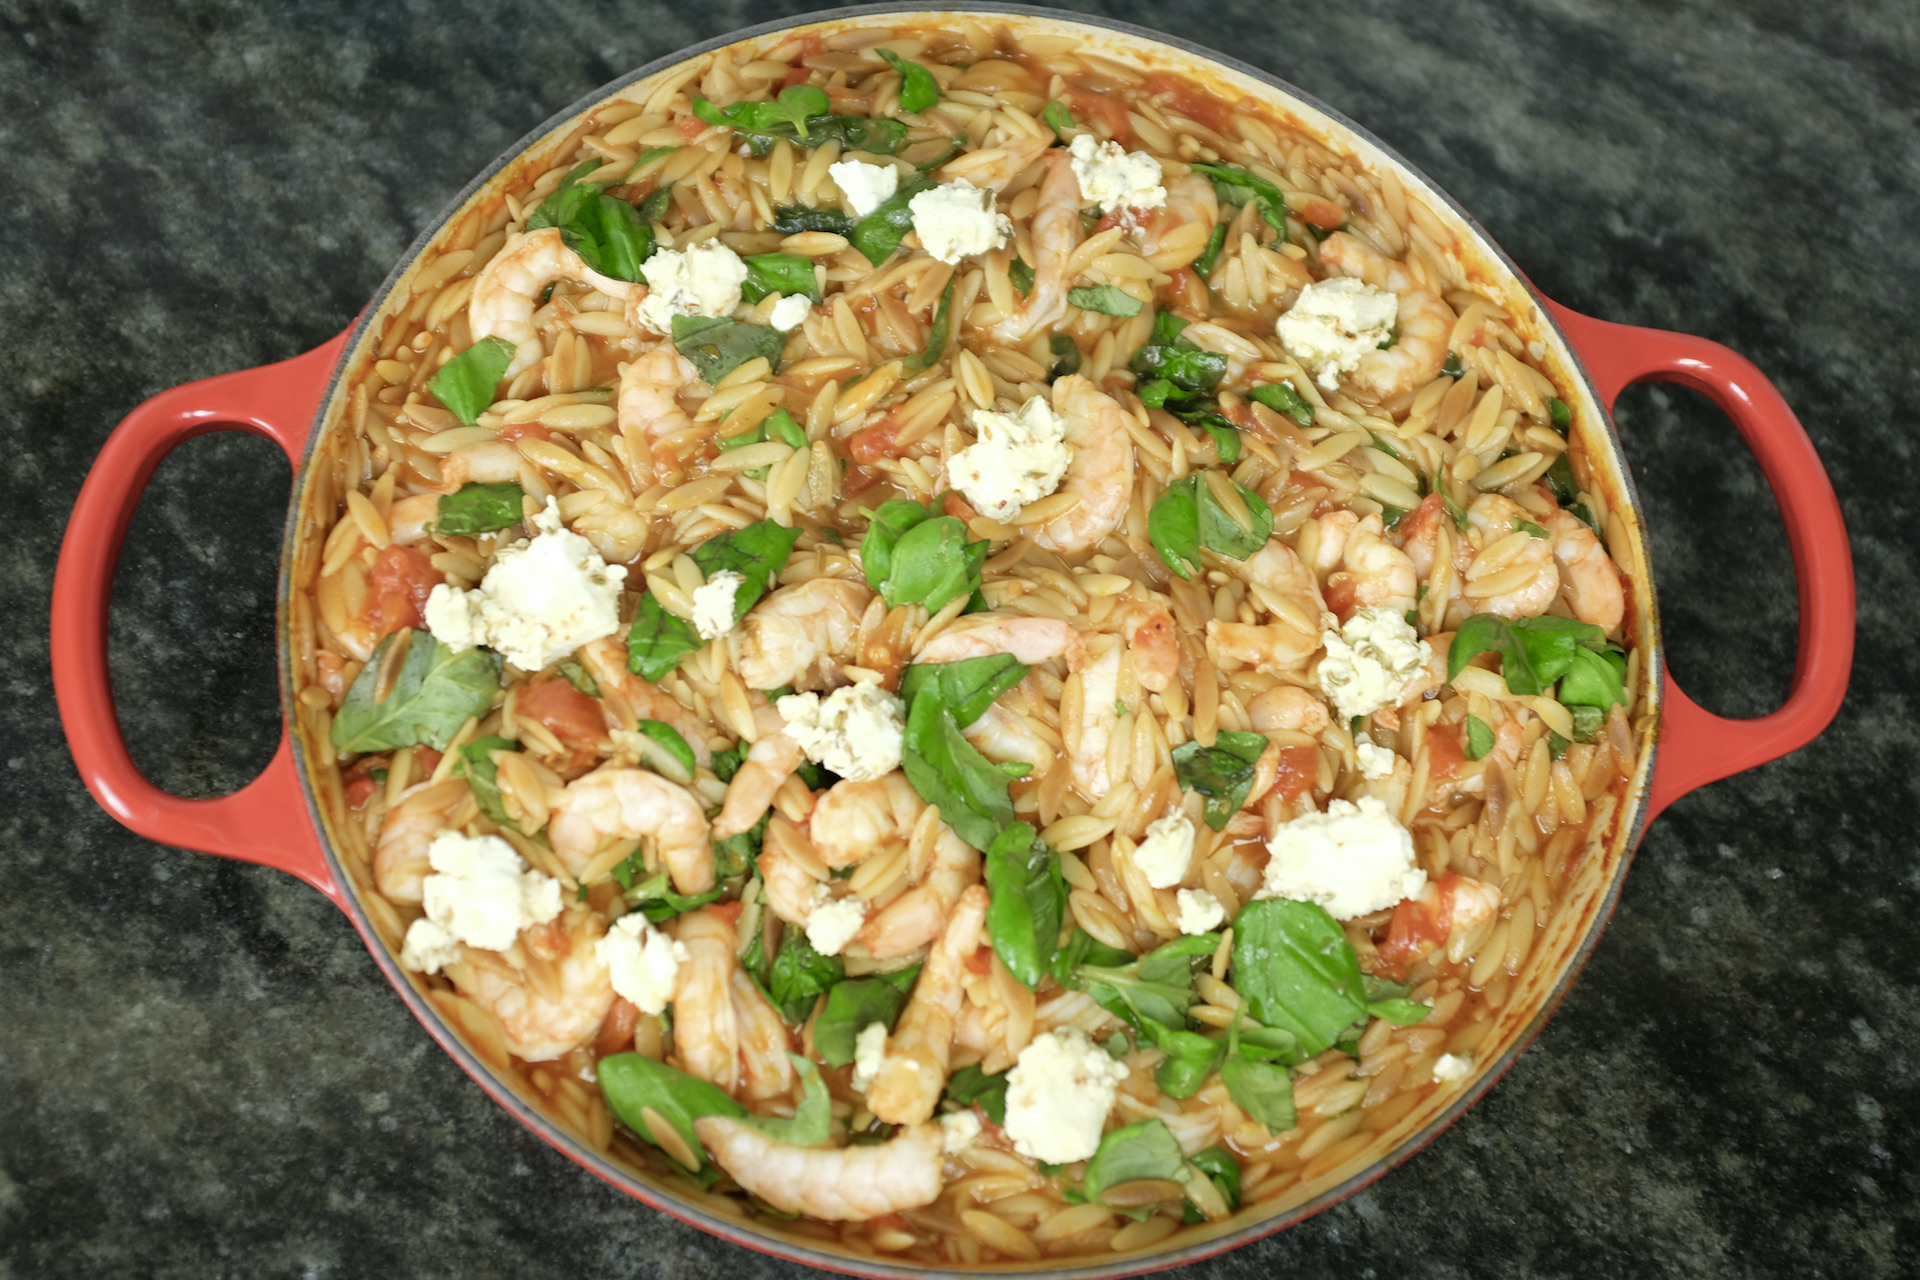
{"x":1559,"y":951}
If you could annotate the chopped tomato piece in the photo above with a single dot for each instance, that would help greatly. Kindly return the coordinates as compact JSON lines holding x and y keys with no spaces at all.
{"x":958,"y":507}
{"x":980,"y":961}
{"x":1298,"y":770}
{"x":1089,"y":105}
{"x":1444,"y":756}
{"x":402,"y":580}
{"x":691,"y":128}
{"x":1340,"y":595}
{"x":726,"y":912}
{"x":568,"y":714}
{"x":1420,"y":925}
{"x":361,"y":786}
{"x":870,"y":444}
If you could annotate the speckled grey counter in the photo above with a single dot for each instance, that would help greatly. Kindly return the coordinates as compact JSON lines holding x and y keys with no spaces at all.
{"x":202,"y":1074}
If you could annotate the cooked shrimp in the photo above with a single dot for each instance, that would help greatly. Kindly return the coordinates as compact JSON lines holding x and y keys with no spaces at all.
{"x":1099,"y":690}
{"x":1100,"y":472}
{"x":1421,"y":531}
{"x":1288,"y":706}
{"x":1589,"y":582}
{"x":509,"y":287}
{"x":1002,"y":736}
{"x":649,"y":406}
{"x":400,"y":866}
{"x":1291,"y":639}
{"x":769,"y":763}
{"x":706,"y":1026}
{"x":788,"y":883}
{"x":1513,"y":575}
{"x":1453,"y":907}
{"x":1373,"y":573}
{"x":1152,"y":641}
{"x":766,"y":1070}
{"x":1190,"y":198}
{"x":914,"y":1070}
{"x":1421,"y":331}
{"x":549,"y":991}
{"x":916,"y":917}
{"x":800,"y":635}
{"x":856,"y":820}
{"x":845,"y":1184}
{"x":1330,"y":541}
{"x":626,"y":699}
{"x":625,"y":804}
{"x":1055,"y":234}
{"x":1030,"y":640}
{"x":482,"y":462}
{"x":408,"y":518}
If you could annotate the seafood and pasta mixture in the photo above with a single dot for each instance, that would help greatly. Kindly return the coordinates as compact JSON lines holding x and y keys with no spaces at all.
{"x":973,"y":649}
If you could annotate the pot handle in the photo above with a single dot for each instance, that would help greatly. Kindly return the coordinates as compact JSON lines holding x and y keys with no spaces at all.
{"x":1696,"y":746}
{"x":266,"y":820}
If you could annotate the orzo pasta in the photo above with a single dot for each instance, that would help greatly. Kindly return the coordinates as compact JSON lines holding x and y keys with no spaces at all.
{"x":982,"y":652}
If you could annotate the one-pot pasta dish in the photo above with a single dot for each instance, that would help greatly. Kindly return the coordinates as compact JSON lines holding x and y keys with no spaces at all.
{"x":976,"y":651}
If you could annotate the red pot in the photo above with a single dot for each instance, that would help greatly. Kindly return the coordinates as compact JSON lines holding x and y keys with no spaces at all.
{"x":276,"y":819}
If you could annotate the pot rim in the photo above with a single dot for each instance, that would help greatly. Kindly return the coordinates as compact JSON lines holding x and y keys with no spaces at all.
{"x":1632,"y":822}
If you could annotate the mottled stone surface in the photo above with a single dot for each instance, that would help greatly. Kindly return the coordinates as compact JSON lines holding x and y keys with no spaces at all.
{"x":201,"y":1072}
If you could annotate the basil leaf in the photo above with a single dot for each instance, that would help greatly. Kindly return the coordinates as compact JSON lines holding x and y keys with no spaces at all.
{"x":577,"y":677}
{"x":482,"y":775}
{"x":1295,"y":970}
{"x":1399,"y":1011}
{"x":1262,"y":1090}
{"x":1531,"y":529}
{"x":1479,"y":738}
{"x":782,"y":273}
{"x":1587,"y":722}
{"x":1534,"y":652}
{"x":758,"y":552}
{"x":654,"y":896}
{"x":1177,"y":359}
{"x":480,"y":508}
{"x":852,"y":1007}
{"x":885,"y":528}
{"x":879,"y":233}
{"x":1281,"y":398}
{"x":433,"y":693}
{"x":633,"y":1083}
{"x":1083,"y":948}
{"x":466,"y":383}
{"x":1206,"y":415}
{"x":1144,"y":1150}
{"x":910,"y":555}
{"x":792,"y":219}
{"x":1237,"y":186}
{"x":737,"y":855}
{"x":945,"y":769}
{"x":718,"y":346}
{"x":936,"y":336}
{"x":1218,"y":1164}
{"x":800,"y":975}
{"x":658,"y":640}
{"x":611,"y":237}
{"x":812,"y":1120}
{"x":967,"y":687}
{"x":918,"y":89}
{"x":1059,"y":119}
{"x":1453,"y":368}
{"x":1187,"y":517}
{"x":1029,"y":902}
{"x":1221,"y":532}
{"x":1560,"y":479}
{"x":970,"y":1085}
{"x":1191,"y":1058}
{"x":1122,"y":991}
{"x":955,"y":145}
{"x":1558,"y":413}
{"x":1594,"y":680}
{"x":1067,"y":357}
{"x":573,"y":188}
{"x":1022,"y":276}
{"x":673,"y":748}
{"x":1204,"y":264}
{"x":1106,"y":300}
{"x":727,"y":763}
{"x":793,"y":109}
{"x":646,"y":158}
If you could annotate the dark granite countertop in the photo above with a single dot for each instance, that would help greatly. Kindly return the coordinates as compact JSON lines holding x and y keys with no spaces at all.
{"x":201,"y":1072}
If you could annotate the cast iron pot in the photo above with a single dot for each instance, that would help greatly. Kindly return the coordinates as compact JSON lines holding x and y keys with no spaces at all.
{"x":283,"y":818}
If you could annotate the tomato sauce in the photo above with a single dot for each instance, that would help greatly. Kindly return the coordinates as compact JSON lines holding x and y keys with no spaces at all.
{"x":402,"y":579}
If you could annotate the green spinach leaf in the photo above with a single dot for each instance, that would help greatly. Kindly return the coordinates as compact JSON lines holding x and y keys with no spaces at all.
{"x":1022,"y":276}
{"x":787,"y":274}
{"x":855,"y":1005}
{"x":658,"y":640}
{"x":945,"y":769}
{"x":1209,"y":256}
{"x":1029,"y":902}
{"x":466,"y":383}
{"x":480,"y":508}
{"x":811,"y":1122}
{"x":800,"y":975}
{"x":633,"y":1083}
{"x":718,"y":346}
{"x":792,"y":109}
{"x":1295,"y":970}
{"x":1105,"y":299}
{"x":665,"y":752}
{"x":1059,"y":119}
{"x":1534,"y":652}
{"x":1144,"y":1150}
{"x":1479,"y":738}
{"x":1187,"y":517}
{"x":1594,"y":680}
{"x":792,"y":219}
{"x":1222,"y":773}
{"x":1237,"y":186}
{"x":432,"y":695}
{"x":1281,"y":398}
{"x":918,"y":89}
{"x":879,"y":233}
{"x":971,"y":1085}
{"x":482,"y":775}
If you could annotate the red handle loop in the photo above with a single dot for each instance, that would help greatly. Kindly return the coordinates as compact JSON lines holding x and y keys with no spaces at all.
{"x":265,"y":821}
{"x":1696,"y":746}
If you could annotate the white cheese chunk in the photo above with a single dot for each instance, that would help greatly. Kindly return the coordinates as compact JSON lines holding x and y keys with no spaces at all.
{"x":713,"y":604}
{"x":482,"y":894}
{"x":790,"y":312}
{"x":1370,"y":660}
{"x":857,"y":732}
{"x":833,"y":921}
{"x":869,"y":1055}
{"x":957,"y":220}
{"x":642,"y":961}
{"x":958,"y":1131}
{"x":1200,"y":911}
{"x":1115,"y":178}
{"x":1332,"y":325}
{"x":704,"y":280}
{"x":1354,"y":859}
{"x":1165,"y":850}
{"x":541,"y":600}
{"x":1375,"y":762}
{"x":1058,"y":1096}
{"x":864,"y":187}
{"x":1452,"y":1068}
{"x":1019,"y":457}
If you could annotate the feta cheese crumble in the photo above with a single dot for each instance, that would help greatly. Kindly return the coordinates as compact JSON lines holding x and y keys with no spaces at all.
{"x":857,"y":731}
{"x":958,"y":1131}
{"x":1452,"y":1068}
{"x":541,"y":600}
{"x":480,"y":893}
{"x":864,"y":187}
{"x":1058,"y":1096}
{"x":1354,"y":859}
{"x":1165,"y":850}
{"x":957,"y":220}
{"x":1115,"y":178}
{"x":1332,"y":325}
{"x":869,"y":1055}
{"x":790,"y":312}
{"x":713,"y":604}
{"x":1369,"y":661}
{"x":1019,"y":457}
{"x":1200,"y":911}
{"x":1375,"y":762}
{"x":703,"y":280}
{"x":642,"y":961}
{"x":833,"y":921}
